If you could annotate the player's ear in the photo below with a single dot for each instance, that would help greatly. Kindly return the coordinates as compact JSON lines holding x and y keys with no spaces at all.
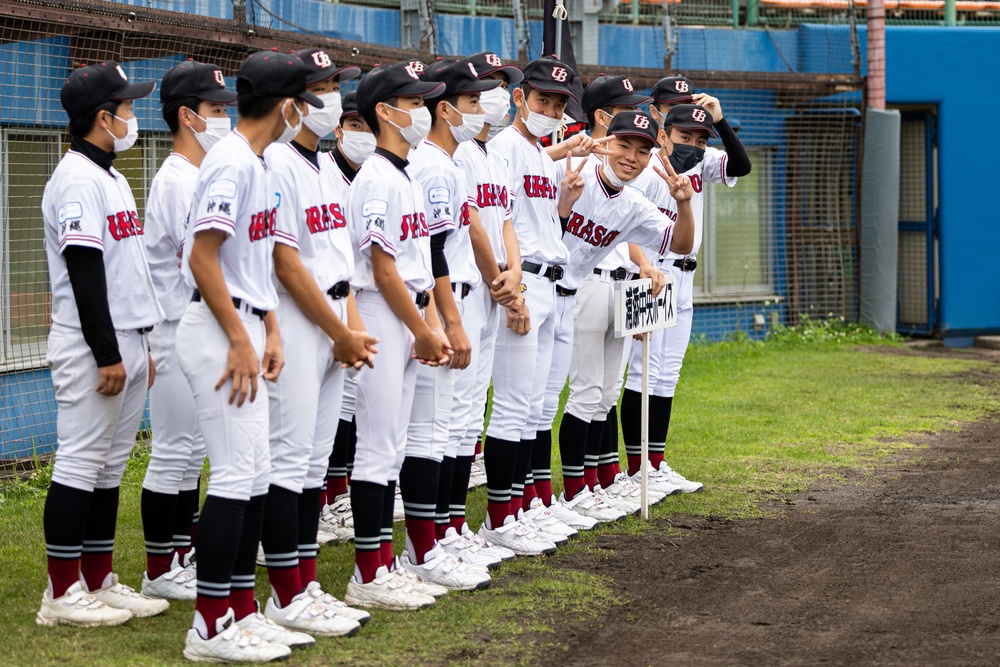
{"x":518,"y":96}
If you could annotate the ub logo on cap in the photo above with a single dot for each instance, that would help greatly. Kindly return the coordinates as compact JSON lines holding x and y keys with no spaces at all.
{"x":321,"y":59}
{"x":627,"y":85}
{"x":681,"y":86}
{"x":415,"y":68}
{"x":122,"y":72}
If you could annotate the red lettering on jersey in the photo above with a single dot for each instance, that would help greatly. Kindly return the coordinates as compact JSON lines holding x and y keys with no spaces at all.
{"x":414,"y":226}
{"x":670,"y":214}
{"x":124,"y":224}
{"x":337,"y":218}
{"x":695,"y":182}
{"x":491,"y":194}
{"x":539,"y":187}
{"x":315,"y":220}
{"x":573,"y":224}
{"x":262,"y":224}
{"x":596,"y":235}
{"x":463,"y":220}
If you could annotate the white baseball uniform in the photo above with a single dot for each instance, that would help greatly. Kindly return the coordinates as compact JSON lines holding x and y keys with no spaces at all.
{"x":305,"y":401}
{"x":488,"y":181}
{"x":533,"y":187}
{"x":668,"y":346}
{"x":233,"y":195}
{"x":84,"y":205}
{"x":446,"y":200}
{"x":178,"y":449}
{"x":386,"y":207}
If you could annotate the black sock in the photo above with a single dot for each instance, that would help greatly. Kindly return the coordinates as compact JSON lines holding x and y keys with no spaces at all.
{"x":280,"y":529}
{"x":184,"y":517}
{"x":541,"y":458}
{"x":573,"y":446}
{"x":366,"y":504}
{"x":388,"y":509}
{"x":309,"y":509}
{"x":352,"y":446}
{"x":501,"y":458}
{"x":442,"y":514}
{"x":631,"y":412}
{"x":659,"y":417}
{"x":595,"y":438}
{"x":337,"y":467}
{"x":64,"y":521}
{"x":219,"y":532}
{"x":159,"y":518}
{"x":609,"y":448}
{"x":245,"y":566}
{"x":522,"y":467}
{"x":99,"y":537}
{"x":460,"y":487}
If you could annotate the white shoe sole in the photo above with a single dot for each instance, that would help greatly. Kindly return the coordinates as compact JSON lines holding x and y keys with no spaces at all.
{"x":41,"y":619}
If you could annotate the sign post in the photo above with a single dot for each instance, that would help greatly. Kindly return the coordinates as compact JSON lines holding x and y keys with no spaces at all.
{"x":637,"y":311}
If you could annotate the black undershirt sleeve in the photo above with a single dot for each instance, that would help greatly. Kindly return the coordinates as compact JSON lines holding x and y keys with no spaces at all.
{"x":564,"y":222}
{"x":90,"y":290}
{"x":737,"y":160}
{"x":439,"y":263}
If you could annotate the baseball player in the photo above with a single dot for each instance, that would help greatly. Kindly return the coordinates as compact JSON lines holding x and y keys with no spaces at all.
{"x":103,"y":307}
{"x":227,"y":337}
{"x":602,"y":100}
{"x":426,"y":483}
{"x":607,"y":213}
{"x":313,"y":262}
{"x":687,"y":128}
{"x":391,"y":240}
{"x":498,"y":259}
{"x":355,"y":144}
{"x":194,"y":99}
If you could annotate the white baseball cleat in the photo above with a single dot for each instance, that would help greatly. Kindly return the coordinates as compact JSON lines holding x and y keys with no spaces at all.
{"x":116,"y":594}
{"x":623,"y":504}
{"x":477,"y":477}
{"x":337,"y":520}
{"x":232,"y":644}
{"x":261,"y":626}
{"x":571,"y":518}
{"x":624,"y":488}
{"x":540,"y":533}
{"x":587,"y":504}
{"x":546,"y":519}
{"x":441,"y":568}
{"x":516,"y":537}
{"x":467,"y":551}
{"x":79,"y":608}
{"x":678,"y":479}
{"x":658,"y":481}
{"x":487,"y":547}
{"x":180,"y":583}
{"x":416,"y":583}
{"x":386,"y":591}
{"x":307,"y":614}
{"x":331,"y":602}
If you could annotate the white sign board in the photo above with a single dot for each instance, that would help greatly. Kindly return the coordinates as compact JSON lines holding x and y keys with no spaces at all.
{"x":638,"y":311}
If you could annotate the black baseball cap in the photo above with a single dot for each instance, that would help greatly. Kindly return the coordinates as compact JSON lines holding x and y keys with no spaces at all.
{"x":673,"y":89}
{"x":487,"y":63}
{"x":89,"y":87}
{"x":349,"y":104}
{"x":322,"y":68}
{"x":194,"y":79}
{"x":459,"y":76}
{"x":690,"y":117}
{"x":610,"y":91}
{"x":399,"y":80}
{"x":635,"y":124}
{"x":550,"y":75}
{"x":274,"y":74}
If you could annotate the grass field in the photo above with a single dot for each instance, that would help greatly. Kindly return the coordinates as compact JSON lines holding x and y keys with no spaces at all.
{"x":754,"y":422}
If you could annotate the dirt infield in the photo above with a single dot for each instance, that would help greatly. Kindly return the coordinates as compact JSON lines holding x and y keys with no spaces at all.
{"x":901,"y":568}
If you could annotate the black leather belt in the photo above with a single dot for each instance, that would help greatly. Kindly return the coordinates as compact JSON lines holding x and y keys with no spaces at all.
{"x":236,"y":302}
{"x":340,"y":290}
{"x":144,"y":330}
{"x":466,"y":288}
{"x":553,"y":273}
{"x":562,"y":291}
{"x":686,"y":264}
{"x":423,"y":299}
{"x":615,"y":274}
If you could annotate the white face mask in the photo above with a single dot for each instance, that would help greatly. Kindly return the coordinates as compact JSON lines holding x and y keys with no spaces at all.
{"x":290,"y":131}
{"x":420,"y":125}
{"x":322,"y":121}
{"x":472,"y":125}
{"x":131,"y":134}
{"x":215,"y":129}
{"x":539,"y":125}
{"x":611,"y":177}
{"x":496,"y":104}
{"x":357,"y":146}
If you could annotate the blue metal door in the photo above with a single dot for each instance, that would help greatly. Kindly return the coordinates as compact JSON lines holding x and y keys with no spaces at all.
{"x":917,"y":270}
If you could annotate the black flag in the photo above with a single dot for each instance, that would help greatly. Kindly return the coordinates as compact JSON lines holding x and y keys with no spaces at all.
{"x":573,"y":109}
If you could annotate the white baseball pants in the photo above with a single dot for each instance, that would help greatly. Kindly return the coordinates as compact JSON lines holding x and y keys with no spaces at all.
{"x":481,"y":318}
{"x":562,"y":351}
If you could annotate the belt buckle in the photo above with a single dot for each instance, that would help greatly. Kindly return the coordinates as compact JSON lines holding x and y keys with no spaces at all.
{"x":690,"y":264}
{"x":619,"y":273}
{"x":423,"y":299}
{"x":556,"y":273}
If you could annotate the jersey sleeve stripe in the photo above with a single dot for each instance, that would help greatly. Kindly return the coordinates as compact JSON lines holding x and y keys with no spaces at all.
{"x":81,"y":240}
{"x":375,"y":237}
{"x":286,"y":239}
{"x":667,"y":234}
{"x":441,"y":225}
{"x":215,"y":222}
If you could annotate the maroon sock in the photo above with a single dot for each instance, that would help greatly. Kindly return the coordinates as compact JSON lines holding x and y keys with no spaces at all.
{"x":421,"y":535}
{"x":243,"y":602}
{"x":386,"y":557}
{"x":307,"y":568}
{"x":335,"y":486}
{"x":573,"y":486}
{"x":286,"y":583}
{"x":634,"y":463}
{"x":322,"y":498}
{"x":367,"y":562}
{"x":543,"y":490}
{"x":498,"y":512}
{"x":211,"y":609}
{"x":590,"y":478}
{"x":606,"y":475}
{"x":63,"y":574}
{"x":529,"y":494}
{"x":440,"y":531}
{"x":95,"y":568}
{"x":617,"y":467}
{"x":157,"y":565}
{"x":479,"y":447}
{"x":457,"y":522}
{"x":655,"y":459}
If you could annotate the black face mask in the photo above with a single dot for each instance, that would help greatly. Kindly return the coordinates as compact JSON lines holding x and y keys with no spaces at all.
{"x":686,"y":157}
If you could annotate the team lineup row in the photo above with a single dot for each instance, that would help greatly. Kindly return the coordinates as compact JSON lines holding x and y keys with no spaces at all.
{"x":379,"y":290}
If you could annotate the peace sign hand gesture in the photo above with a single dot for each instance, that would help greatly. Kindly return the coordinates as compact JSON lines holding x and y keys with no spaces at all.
{"x":680,"y":186}
{"x":583,"y":145}
{"x":572,"y":186}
